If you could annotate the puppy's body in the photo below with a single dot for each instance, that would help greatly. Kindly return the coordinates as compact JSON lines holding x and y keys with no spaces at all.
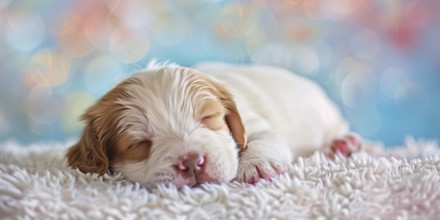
{"x":170,"y":124}
{"x":291,"y":106}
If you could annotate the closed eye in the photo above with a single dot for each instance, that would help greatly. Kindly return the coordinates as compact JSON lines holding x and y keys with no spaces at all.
{"x":211,"y":116}
{"x":207,"y":117}
{"x":214,"y":121}
{"x":144,"y":143}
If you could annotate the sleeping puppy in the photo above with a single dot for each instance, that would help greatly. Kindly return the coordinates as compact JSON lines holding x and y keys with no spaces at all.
{"x":215,"y":123}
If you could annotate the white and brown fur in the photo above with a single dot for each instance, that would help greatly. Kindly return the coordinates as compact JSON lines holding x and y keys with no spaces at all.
{"x":214,"y":123}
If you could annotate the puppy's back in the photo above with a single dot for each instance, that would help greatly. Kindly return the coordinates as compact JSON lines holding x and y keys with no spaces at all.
{"x":296,"y":108}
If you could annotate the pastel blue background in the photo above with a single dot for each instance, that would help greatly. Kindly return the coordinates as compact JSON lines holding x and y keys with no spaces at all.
{"x":379,"y":60}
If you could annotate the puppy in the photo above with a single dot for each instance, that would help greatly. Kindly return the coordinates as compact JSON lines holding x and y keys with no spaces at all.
{"x":214,"y":123}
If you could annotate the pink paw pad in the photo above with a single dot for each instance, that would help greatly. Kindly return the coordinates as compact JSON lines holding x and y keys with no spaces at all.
{"x":344,"y":146}
{"x":268,"y":175}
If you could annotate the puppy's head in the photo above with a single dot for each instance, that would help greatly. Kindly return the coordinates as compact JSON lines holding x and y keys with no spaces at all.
{"x":165,"y":125}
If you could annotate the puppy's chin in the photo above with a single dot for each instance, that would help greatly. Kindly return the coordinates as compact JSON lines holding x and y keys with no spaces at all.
{"x":217,"y":147}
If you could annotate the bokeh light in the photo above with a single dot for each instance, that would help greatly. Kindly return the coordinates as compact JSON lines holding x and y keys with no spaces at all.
{"x":412,"y":99}
{"x":127,"y":50}
{"x":169,"y":29}
{"x":25,"y":30}
{"x":379,"y":60}
{"x":101,"y":74}
{"x":366,"y":44}
{"x":49,"y":69}
{"x":391,"y":79}
{"x":74,"y":105}
{"x":355,"y":89}
{"x":237,"y":20}
{"x":73,"y":37}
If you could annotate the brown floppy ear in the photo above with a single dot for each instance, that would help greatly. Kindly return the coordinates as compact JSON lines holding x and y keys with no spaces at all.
{"x":235,"y":123}
{"x":232,"y":118}
{"x":93,"y":152}
{"x":89,"y":154}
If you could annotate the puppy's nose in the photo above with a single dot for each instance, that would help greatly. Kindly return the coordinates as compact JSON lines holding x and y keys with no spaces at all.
{"x":191,"y":164}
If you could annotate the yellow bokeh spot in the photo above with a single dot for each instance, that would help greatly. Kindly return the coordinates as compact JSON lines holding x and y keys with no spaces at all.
{"x":48,"y":69}
{"x":74,"y":105}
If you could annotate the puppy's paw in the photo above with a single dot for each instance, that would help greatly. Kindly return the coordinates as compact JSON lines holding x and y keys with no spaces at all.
{"x":344,"y":146}
{"x":251,"y":171}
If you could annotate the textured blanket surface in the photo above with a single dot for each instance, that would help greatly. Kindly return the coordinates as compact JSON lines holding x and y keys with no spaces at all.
{"x":399,"y":183}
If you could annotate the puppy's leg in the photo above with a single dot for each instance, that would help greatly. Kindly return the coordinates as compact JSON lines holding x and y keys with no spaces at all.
{"x":266,"y":156}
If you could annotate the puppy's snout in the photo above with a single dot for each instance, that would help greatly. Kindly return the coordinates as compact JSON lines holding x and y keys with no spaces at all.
{"x":191,"y":164}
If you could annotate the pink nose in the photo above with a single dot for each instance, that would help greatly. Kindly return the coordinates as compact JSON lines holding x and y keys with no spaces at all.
{"x":191,"y":164}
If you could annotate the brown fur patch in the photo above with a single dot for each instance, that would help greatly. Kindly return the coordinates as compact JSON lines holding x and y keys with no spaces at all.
{"x":232,"y":117}
{"x":101,"y":144}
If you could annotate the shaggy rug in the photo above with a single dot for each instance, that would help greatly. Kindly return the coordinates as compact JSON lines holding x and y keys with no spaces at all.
{"x":398,"y":183}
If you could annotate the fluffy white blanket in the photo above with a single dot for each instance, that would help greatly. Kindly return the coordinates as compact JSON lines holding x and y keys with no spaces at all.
{"x":400,"y":183}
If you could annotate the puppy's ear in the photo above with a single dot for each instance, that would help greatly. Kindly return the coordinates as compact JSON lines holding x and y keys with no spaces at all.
{"x":235,"y":123}
{"x":232,"y":118}
{"x":95,"y":149}
{"x":90,"y":153}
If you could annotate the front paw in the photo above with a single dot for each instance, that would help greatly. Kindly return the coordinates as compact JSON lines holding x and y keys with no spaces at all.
{"x":252,"y":170}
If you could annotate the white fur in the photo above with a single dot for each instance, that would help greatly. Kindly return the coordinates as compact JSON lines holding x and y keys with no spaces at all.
{"x":168,"y":121}
{"x":292,"y":106}
{"x":285,"y":116}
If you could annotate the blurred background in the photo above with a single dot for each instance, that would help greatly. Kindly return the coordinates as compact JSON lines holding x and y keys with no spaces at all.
{"x":378,"y":59}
